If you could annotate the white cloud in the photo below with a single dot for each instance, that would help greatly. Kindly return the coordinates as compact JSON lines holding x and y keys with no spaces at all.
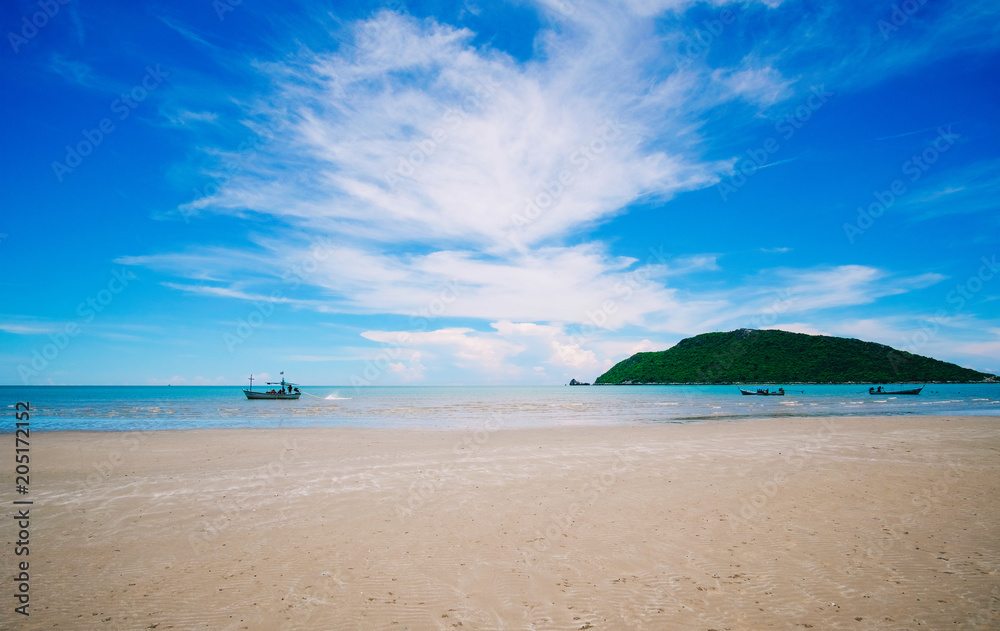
{"x":953,"y":337}
{"x":797,"y":291}
{"x":418,"y":133}
{"x":572,"y":355}
{"x":323,"y":358}
{"x":467,"y":136}
{"x":445,"y":180}
{"x":761,"y":85}
{"x":504,"y":353}
{"x":412,"y":371}
{"x":467,"y":347}
{"x":415,"y":138}
{"x":30,"y":328}
{"x":985,"y":349}
{"x":507,"y":328}
{"x":611,"y":351}
{"x":73,"y":71}
{"x":655,"y":7}
{"x":562,"y":284}
{"x":184,"y":118}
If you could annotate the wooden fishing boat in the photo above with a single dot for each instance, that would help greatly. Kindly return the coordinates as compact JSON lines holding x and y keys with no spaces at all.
{"x":286,"y":390}
{"x":780,"y":392}
{"x":873,"y":391}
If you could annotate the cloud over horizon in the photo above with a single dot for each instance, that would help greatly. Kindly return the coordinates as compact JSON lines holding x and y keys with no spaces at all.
{"x":540,"y":197}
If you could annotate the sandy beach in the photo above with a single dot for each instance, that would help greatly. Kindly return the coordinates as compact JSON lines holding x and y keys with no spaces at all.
{"x":835,"y":523}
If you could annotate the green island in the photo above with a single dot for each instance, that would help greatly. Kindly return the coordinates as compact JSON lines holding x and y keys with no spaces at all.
{"x":772,"y":356}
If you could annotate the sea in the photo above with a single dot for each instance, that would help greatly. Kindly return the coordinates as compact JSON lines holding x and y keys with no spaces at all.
{"x":149,"y":408}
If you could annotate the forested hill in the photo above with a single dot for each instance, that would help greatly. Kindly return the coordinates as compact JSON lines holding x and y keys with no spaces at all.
{"x":753,"y":356}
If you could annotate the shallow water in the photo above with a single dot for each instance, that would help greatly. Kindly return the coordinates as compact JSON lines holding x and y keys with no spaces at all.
{"x":126,"y":408}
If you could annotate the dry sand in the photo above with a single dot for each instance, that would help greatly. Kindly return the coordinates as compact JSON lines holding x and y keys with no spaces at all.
{"x":844,"y":523}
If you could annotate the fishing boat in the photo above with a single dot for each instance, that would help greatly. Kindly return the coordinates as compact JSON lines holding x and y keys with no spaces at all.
{"x":285,"y":390}
{"x":880,"y":391}
{"x":766,"y":392}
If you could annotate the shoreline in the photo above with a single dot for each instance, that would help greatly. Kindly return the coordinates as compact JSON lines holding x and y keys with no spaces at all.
{"x":748,"y":523}
{"x":668,"y":421}
{"x":793,"y":383}
{"x":542,"y":385}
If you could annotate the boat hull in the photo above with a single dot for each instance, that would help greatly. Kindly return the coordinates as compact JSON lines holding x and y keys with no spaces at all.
{"x":267,"y":395}
{"x":914,"y":391}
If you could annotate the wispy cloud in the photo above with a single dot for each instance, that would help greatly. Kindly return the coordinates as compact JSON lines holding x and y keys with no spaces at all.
{"x":761,"y":85}
{"x":973,"y":188}
{"x":185,"y":32}
{"x":83,"y":74}
{"x":421,"y":134}
{"x":428,"y":164}
{"x":28,"y":327}
{"x":567,"y":351}
{"x":78,"y":28}
{"x":72,"y":70}
{"x":186,"y":118}
{"x":904,"y":134}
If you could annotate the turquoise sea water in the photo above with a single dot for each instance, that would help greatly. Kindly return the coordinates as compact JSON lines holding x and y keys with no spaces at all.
{"x":128,"y":408}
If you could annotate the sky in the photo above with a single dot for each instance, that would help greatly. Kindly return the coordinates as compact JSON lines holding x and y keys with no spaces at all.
{"x":449,"y":193}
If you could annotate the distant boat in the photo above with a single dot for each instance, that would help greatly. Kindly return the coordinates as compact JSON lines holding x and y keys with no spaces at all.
{"x":880,"y":391}
{"x":285,"y":391}
{"x":764,"y":393}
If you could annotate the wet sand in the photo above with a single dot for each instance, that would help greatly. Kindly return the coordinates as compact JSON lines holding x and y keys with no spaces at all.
{"x":837,"y":523}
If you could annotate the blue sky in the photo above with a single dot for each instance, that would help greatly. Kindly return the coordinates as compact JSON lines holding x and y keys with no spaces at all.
{"x":488,"y":193}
